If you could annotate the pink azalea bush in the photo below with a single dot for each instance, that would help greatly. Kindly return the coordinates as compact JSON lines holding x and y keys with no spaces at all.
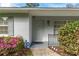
{"x":11,"y":42}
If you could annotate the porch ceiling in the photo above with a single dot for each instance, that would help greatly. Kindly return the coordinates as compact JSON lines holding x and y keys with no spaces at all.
{"x":43,"y":11}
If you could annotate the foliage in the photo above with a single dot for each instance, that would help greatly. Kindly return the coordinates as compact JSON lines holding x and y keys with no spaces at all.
{"x":32,"y":4}
{"x":69,"y":37}
{"x":10,"y":44}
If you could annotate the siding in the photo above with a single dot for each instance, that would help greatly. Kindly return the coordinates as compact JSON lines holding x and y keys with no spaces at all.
{"x":22,"y":27}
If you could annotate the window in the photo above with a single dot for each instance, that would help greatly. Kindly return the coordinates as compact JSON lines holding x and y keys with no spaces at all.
{"x":3,"y":25}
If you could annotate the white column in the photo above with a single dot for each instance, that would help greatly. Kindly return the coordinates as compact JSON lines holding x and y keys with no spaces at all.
{"x":30,"y":28}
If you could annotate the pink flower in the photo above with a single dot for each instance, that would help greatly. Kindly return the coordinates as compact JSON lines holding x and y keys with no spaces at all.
{"x":14,"y":46}
{"x":1,"y":45}
{"x":13,"y":41}
{"x":1,"y":40}
{"x":8,"y":46}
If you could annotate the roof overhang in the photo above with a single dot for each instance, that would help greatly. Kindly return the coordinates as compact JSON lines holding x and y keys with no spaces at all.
{"x":43,"y":11}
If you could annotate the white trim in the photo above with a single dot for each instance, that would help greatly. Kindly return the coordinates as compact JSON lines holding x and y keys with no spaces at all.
{"x":22,"y":9}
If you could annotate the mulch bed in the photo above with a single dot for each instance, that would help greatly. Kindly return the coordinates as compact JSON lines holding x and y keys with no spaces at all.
{"x":59,"y":50}
{"x":24,"y":52}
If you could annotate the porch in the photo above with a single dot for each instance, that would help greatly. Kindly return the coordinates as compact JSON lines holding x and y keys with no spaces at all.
{"x":45,"y":30}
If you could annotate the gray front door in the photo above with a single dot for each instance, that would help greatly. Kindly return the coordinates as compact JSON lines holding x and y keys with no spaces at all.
{"x":38,"y":30}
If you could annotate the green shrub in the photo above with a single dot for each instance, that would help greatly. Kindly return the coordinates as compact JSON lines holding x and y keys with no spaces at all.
{"x":69,"y":37}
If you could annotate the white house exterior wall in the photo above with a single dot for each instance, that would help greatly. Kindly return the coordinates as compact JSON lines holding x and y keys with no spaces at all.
{"x":21,"y":27}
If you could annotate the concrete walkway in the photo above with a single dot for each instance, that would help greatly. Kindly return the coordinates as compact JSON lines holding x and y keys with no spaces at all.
{"x":43,"y":52}
{"x":39,"y":45}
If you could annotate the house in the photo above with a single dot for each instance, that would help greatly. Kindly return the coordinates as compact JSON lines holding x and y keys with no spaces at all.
{"x":35,"y":24}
